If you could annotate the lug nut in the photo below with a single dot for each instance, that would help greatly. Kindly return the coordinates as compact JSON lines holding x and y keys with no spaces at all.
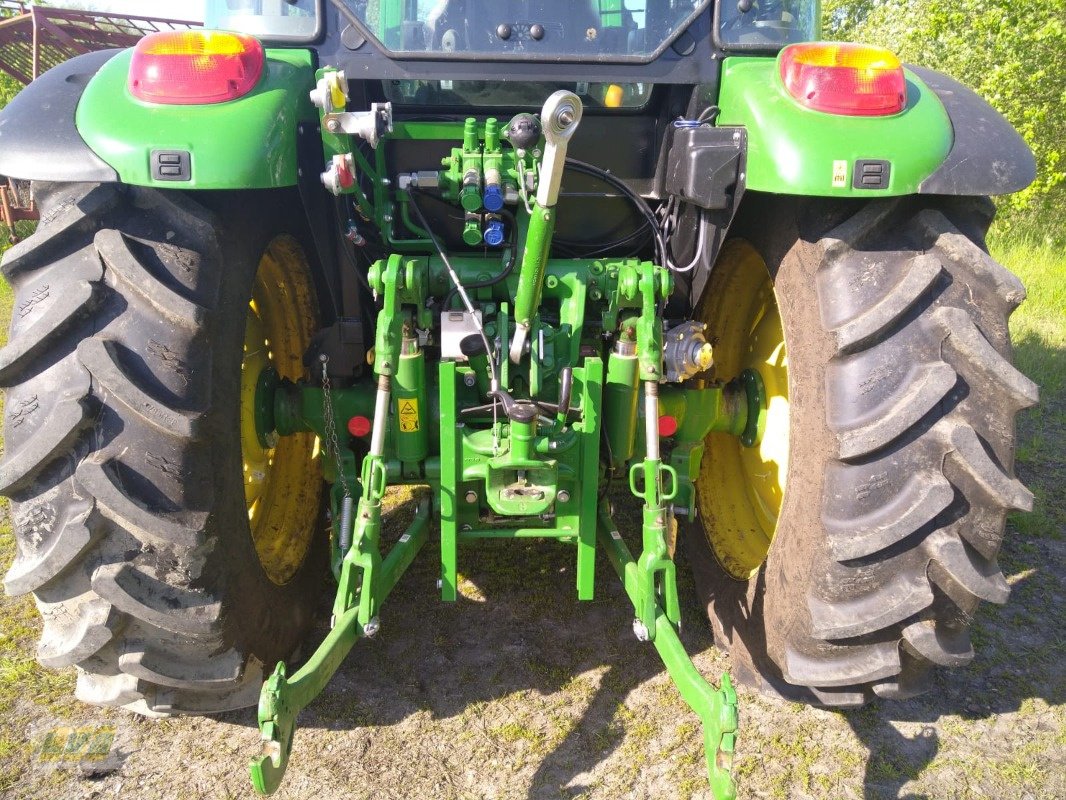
{"x":471,"y":497}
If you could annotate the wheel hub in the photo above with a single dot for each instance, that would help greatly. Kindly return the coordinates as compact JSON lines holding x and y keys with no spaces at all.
{"x":742,"y":479}
{"x":282,"y":479}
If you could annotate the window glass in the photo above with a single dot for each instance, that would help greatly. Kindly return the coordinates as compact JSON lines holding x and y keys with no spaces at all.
{"x":530,"y":28}
{"x":266,"y":18}
{"x":514,"y":93}
{"x":768,"y":23}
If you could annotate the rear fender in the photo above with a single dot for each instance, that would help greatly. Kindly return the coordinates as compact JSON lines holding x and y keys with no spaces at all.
{"x":946,"y":141}
{"x":247,"y":143}
{"x":38,"y":138}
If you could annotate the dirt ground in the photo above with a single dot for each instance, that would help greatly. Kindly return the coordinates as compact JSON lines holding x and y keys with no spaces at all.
{"x":520,"y":691}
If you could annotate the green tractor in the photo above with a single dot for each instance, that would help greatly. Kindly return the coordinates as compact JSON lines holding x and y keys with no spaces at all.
{"x":520,"y":253}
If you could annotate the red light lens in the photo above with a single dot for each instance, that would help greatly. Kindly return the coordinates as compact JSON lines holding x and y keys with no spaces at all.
{"x":193,"y":67}
{"x":851,"y":79}
{"x":359,"y":426}
{"x":667,"y":426}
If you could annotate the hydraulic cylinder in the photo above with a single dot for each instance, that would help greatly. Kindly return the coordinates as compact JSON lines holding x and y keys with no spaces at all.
{"x":409,"y":403}
{"x":620,"y":402}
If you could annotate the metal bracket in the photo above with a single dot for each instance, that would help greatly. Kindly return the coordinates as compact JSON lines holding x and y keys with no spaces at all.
{"x":716,"y":708}
{"x":368,"y":125}
{"x":283,"y":697}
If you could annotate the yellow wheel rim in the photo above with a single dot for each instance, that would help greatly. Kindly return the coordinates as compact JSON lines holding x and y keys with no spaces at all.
{"x":282,"y":480}
{"x":739,"y":490}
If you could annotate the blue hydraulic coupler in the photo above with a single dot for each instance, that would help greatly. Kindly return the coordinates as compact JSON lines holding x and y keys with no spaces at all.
{"x":493,"y":198}
{"x":493,"y":233}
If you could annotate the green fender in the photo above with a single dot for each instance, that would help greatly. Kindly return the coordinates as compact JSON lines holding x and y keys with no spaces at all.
{"x":795,"y":150}
{"x":247,"y":143}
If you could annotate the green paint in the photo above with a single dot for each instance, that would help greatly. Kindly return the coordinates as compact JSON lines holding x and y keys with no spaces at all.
{"x":265,"y":390}
{"x":472,"y":226}
{"x":793,"y":150}
{"x":532,"y":272}
{"x":591,"y":404}
{"x":449,"y":477}
{"x":715,"y":408}
{"x":283,"y":697}
{"x":410,"y":407}
{"x":717,"y":709}
{"x":247,"y":143}
{"x":299,"y":407}
{"x":756,"y":407}
{"x":620,"y":406}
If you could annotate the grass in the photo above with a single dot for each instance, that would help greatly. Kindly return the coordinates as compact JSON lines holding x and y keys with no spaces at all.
{"x":1038,"y":330}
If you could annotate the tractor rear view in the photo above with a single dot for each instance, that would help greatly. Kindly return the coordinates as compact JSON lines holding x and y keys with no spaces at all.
{"x":521,"y":253}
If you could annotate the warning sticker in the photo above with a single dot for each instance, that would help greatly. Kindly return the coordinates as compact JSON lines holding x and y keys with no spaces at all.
{"x":840,"y":174}
{"x":408,"y":415}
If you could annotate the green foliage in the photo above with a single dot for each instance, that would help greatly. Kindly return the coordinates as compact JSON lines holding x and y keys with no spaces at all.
{"x":9,"y":87}
{"x":1013,"y":54}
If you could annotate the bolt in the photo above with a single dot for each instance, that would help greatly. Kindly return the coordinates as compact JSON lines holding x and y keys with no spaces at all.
{"x":469,"y":379}
{"x":471,"y":497}
{"x":440,"y":584}
{"x":370,"y":630}
{"x":466,"y":527}
{"x":640,"y":630}
{"x":386,"y":218}
{"x":566,"y":116}
{"x":386,"y":182}
{"x":553,"y":445}
{"x":333,"y":125}
{"x":564,"y":496}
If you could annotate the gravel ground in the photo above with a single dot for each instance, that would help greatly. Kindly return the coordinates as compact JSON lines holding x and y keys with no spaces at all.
{"x":519,"y":691}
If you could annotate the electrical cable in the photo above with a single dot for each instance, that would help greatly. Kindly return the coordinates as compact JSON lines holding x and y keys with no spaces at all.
{"x":577,"y":248}
{"x":699,"y":246}
{"x":638,"y":201}
{"x":458,"y":285}
{"x":349,"y":251}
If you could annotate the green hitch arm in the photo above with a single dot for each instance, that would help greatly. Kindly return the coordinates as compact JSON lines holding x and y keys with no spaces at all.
{"x":656,"y":572}
{"x":283,"y":697}
{"x":716,"y":708}
{"x":559,"y":117}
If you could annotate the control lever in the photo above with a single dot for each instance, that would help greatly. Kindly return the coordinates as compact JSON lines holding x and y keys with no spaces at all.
{"x":559,"y":119}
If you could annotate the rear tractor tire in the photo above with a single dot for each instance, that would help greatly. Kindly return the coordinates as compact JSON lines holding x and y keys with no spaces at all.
{"x":172,"y":556}
{"x":844,"y":556}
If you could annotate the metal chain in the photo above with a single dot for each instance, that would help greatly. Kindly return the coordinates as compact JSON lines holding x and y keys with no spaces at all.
{"x":333,"y":448}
